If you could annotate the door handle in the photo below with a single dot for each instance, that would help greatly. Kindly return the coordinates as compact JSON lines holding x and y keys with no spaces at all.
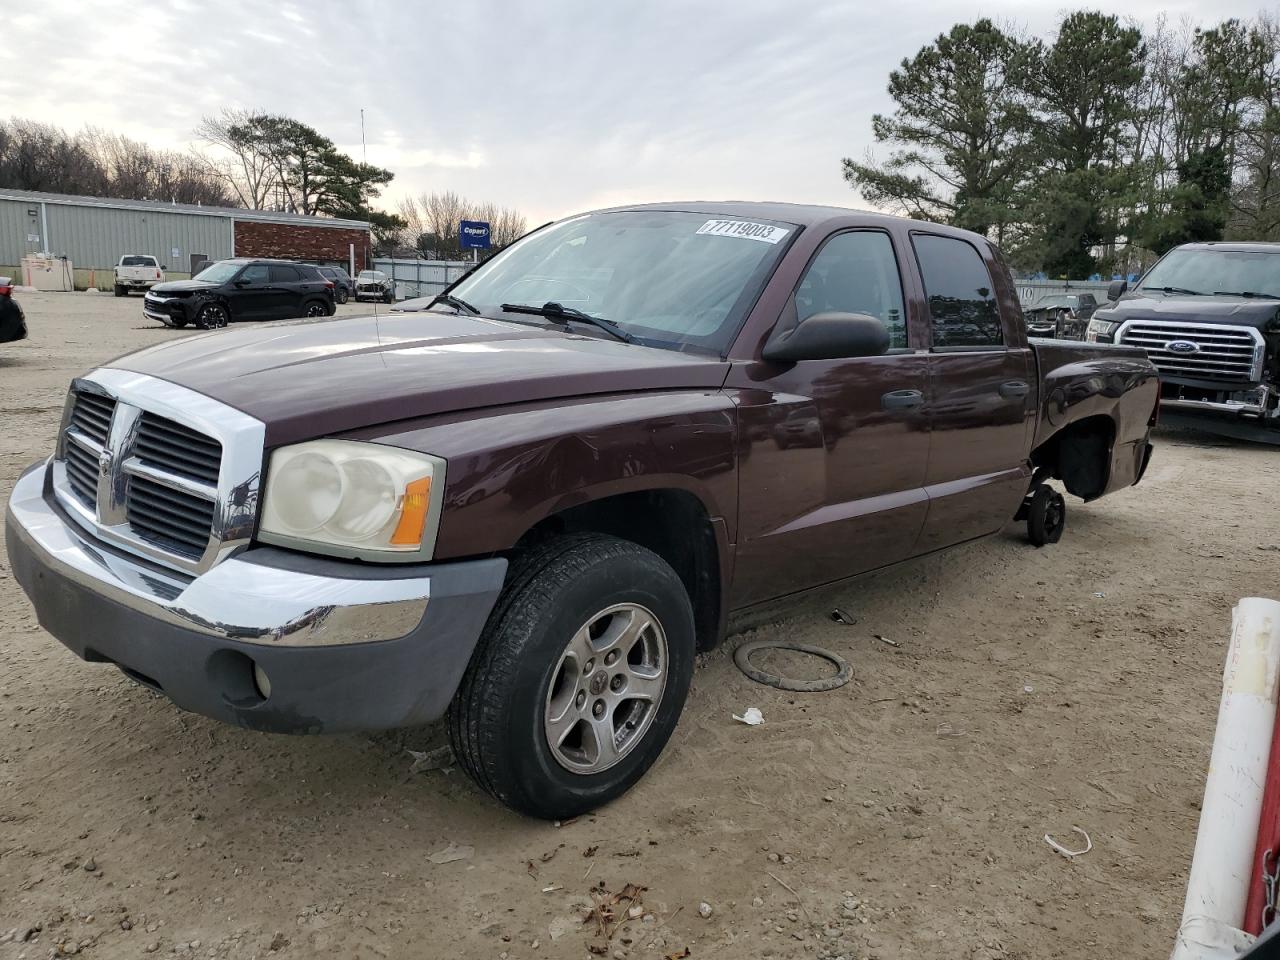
{"x":901,"y":399}
{"x":1014,"y":388}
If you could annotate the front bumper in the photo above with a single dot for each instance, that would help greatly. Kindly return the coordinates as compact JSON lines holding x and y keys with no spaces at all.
{"x":345,"y":646}
{"x":168,"y":310}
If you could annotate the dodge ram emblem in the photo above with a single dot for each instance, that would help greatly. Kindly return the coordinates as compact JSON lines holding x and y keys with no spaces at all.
{"x":1182,"y":346}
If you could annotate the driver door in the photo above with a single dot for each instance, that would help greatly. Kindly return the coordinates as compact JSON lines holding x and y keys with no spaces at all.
{"x":832,"y":469}
{"x":250,"y":295}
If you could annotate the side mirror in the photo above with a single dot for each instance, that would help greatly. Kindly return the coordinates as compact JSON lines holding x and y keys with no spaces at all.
{"x":1117,"y":289}
{"x":829,"y":336}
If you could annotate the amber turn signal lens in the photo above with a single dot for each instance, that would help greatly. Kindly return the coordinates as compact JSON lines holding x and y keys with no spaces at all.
{"x":413,"y":514}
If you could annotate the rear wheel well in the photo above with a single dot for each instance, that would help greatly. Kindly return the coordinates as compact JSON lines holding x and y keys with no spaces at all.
{"x":674,"y":524}
{"x":1080,"y":456}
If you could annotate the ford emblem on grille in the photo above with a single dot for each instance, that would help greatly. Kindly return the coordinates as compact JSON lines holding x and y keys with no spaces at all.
{"x":1182,"y":346}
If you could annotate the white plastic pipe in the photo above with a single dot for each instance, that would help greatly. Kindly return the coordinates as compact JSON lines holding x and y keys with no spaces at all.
{"x":1223,"y":860}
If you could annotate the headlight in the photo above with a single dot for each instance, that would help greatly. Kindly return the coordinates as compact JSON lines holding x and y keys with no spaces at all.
{"x":1101,"y":328}
{"x":348,"y":498}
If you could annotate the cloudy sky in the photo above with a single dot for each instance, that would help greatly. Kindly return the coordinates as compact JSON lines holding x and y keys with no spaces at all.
{"x":551,"y":107}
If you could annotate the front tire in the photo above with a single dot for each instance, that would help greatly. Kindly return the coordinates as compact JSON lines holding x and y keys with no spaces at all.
{"x":212,"y":316}
{"x":578,"y":679}
{"x":121,"y":291}
{"x":342,"y":295}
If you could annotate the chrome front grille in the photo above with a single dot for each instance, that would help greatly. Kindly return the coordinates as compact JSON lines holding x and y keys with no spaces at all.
{"x":91,"y":415}
{"x":158,"y":469}
{"x":1201,"y":351}
{"x":174,"y":520}
{"x":165,"y":445}
{"x":82,"y":474}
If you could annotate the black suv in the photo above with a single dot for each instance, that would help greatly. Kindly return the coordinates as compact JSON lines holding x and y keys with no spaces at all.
{"x":241,"y":290}
{"x":343,"y":286}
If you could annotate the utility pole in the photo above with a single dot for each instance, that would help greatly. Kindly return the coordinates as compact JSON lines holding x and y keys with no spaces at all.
{"x":364,"y":147}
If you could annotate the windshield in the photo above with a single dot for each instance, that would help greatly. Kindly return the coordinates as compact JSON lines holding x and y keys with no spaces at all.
{"x":668,"y":278}
{"x":138,"y":262}
{"x":1217,"y":271}
{"x":219,"y":272}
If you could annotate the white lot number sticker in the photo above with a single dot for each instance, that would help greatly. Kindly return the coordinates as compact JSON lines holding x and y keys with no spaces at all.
{"x":764,"y":232}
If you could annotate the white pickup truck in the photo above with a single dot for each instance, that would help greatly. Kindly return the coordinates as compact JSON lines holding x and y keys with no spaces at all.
{"x":137,"y":271}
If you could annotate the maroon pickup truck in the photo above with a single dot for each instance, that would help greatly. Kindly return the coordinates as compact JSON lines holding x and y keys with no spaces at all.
{"x":528,"y":507}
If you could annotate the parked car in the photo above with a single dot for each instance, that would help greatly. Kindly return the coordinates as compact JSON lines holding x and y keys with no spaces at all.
{"x":1060,"y":316}
{"x":375,"y":285}
{"x":137,"y":271}
{"x":531,"y":507}
{"x":1208,"y":316}
{"x":13,"y":323}
{"x":343,"y":285}
{"x":241,"y":290}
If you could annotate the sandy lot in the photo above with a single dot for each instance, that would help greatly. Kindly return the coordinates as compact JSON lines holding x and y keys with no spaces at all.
{"x":1030,"y":691}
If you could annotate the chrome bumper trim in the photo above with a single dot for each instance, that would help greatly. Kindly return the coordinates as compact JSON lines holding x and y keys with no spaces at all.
{"x":1245,"y":409}
{"x":235,"y":600}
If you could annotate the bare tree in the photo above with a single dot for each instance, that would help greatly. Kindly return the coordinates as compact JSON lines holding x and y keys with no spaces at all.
{"x":433,"y":220}
{"x":236,"y":159}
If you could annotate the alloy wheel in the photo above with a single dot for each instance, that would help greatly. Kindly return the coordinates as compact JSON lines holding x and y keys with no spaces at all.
{"x":605,"y":689}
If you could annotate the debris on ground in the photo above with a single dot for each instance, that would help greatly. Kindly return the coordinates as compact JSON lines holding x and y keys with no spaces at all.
{"x":884,"y":639}
{"x":425,"y":761}
{"x":839,"y":616}
{"x":704,"y":910}
{"x":453,"y":852}
{"x":751,"y":716}
{"x":1070,"y":854}
{"x":609,"y":911}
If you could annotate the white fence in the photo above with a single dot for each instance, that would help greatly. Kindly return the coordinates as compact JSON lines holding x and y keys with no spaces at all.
{"x":421,"y":278}
{"x":1029,"y":291}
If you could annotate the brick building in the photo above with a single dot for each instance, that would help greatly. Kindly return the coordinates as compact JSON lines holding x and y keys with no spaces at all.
{"x":94,"y":232}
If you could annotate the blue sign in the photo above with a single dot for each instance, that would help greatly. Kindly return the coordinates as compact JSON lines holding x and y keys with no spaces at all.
{"x":473,"y":235}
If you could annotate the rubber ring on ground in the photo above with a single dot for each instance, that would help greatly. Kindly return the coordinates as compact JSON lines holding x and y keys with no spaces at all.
{"x":742,"y":657}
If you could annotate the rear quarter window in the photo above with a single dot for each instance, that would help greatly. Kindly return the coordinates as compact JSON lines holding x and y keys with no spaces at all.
{"x":963,"y":311}
{"x":283,"y":274}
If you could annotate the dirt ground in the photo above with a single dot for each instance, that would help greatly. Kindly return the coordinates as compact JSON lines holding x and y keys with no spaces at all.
{"x":1025,"y":692}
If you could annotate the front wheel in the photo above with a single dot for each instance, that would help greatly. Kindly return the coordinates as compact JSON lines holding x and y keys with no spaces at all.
{"x":212,"y":316}
{"x":121,"y":291}
{"x":578,"y":679}
{"x":342,"y":295}
{"x":389,"y":297}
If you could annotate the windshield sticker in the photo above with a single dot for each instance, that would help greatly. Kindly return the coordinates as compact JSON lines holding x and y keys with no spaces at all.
{"x":764,"y":232}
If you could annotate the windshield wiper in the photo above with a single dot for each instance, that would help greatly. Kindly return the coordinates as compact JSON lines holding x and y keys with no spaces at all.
{"x":449,"y":300}
{"x":1252,"y":294}
{"x":1178,"y":290}
{"x":556,"y":311}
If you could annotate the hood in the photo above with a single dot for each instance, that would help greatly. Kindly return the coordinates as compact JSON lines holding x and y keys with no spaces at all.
{"x":313,"y":378}
{"x":183,"y":286}
{"x":1233,"y":311}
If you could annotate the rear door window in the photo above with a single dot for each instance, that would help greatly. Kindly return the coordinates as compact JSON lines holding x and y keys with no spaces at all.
{"x":284,"y":274}
{"x":962,"y":301}
{"x":855,"y":272}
